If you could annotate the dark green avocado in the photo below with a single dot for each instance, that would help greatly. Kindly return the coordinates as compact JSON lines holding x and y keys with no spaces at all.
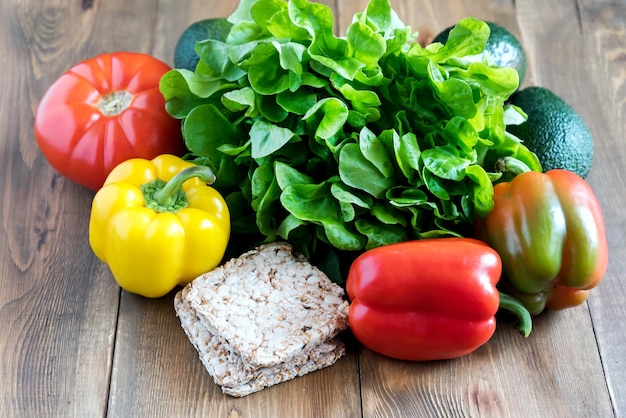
{"x":553,"y":131}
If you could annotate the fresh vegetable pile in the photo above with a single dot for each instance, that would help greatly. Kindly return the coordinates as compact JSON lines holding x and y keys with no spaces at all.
{"x":346,"y":144}
{"x":388,"y":164}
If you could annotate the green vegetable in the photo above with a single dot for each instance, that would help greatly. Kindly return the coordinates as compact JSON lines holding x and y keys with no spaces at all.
{"x":505,"y":49}
{"x":341,"y":144}
{"x":554,"y":131}
{"x":185,"y":55}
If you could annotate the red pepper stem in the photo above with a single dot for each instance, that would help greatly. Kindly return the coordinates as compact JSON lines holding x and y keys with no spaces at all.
{"x":511,"y":165}
{"x":524,"y":319}
{"x":170,"y":197}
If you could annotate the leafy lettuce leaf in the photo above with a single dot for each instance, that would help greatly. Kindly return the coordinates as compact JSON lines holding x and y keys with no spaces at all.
{"x":341,"y":144}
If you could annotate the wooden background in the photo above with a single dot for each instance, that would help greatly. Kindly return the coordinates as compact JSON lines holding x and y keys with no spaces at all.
{"x":73,"y":345}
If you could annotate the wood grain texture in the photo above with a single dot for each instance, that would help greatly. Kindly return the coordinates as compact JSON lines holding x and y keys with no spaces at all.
{"x":57,"y":318}
{"x":507,"y":377}
{"x":73,"y":345}
{"x":604,"y":32}
{"x":151,"y":343}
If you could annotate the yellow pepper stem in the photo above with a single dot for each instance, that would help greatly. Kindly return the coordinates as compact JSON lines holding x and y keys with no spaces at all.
{"x":162,"y":196}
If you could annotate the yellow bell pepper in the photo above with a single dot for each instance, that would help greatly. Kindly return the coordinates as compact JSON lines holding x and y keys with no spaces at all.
{"x":158,"y":224}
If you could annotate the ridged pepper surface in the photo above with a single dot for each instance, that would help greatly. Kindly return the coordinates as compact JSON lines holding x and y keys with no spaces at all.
{"x":549,"y":231}
{"x":158,"y":224}
{"x":428,"y":299}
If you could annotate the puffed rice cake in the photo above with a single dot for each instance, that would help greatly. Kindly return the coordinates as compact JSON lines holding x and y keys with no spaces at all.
{"x":263,"y":318}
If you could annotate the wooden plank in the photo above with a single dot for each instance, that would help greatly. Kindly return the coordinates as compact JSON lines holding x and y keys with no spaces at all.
{"x":555,"y":373}
{"x":601,"y":98}
{"x":57,"y":315}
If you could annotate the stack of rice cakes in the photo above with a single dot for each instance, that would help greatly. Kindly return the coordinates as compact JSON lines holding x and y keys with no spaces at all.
{"x":263,"y":318}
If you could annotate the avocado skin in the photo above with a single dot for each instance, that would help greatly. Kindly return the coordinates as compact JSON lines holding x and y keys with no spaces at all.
{"x":185,"y":55}
{"x":553,"y":131}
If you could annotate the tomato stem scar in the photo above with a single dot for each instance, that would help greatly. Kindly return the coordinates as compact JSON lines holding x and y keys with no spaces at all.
{"x":115,"y":102}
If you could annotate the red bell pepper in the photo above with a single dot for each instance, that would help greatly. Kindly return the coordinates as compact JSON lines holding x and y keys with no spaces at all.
{"x":428,"y":299}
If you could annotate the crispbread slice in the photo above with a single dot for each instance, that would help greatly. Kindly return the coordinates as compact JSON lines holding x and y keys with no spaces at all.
{"x":269,"y":305}
{"x":237,"y":378}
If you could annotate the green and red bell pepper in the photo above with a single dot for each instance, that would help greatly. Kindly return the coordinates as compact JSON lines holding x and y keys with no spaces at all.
{"x":549,"y":231}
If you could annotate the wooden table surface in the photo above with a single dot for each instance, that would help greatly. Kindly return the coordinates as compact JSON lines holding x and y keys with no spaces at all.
{"x":73,"y":345}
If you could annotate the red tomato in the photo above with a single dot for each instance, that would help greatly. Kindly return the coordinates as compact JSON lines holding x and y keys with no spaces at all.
{"x":103,"y":111}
